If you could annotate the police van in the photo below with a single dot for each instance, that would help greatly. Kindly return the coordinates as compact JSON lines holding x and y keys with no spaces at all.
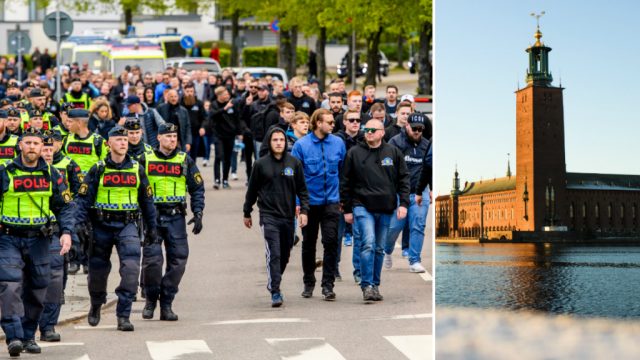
{"x":148,"y":59}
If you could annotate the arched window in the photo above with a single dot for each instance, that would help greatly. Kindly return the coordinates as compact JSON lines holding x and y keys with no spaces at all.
{"x":584,"y":210}
{"x":597,"y":211}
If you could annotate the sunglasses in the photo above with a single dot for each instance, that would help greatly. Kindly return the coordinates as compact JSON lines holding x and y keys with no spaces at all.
{"x":417,"y":129}
{"x":352,"y":120}
{"x":330,"y":123}
{"x":370,"y":130}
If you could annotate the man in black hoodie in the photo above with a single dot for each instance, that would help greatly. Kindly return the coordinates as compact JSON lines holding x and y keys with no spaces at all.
{"x":275,"y":182}
{"x":373,"y":177}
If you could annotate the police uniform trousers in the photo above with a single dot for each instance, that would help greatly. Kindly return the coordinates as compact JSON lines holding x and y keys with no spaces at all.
{"x":172,"y":231}
{"x":54,"y":297}
{"x":124,"y":236}
{"x":24,"y":277}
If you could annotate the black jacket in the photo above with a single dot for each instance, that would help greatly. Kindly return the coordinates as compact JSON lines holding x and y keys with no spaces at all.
{"x":373,"y":178}
{"x":349,"y":141}
{"x":184,"y":124}
{"x":275,"y":184}
{"x":304,"y":103}
{"x":197,"y":116}
{"x":224,"y":123}
{"x":257,"y":127}
{"x":415,"y":156}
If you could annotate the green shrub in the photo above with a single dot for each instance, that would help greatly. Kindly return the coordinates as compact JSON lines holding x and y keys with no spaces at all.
{"x":268,"y":56}
{"x":391,"y":50}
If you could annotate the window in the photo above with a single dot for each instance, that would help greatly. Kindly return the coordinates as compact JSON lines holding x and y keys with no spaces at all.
{"x":597,"y":211}
{"x":571,"y":211}
{"x":2,"y":10}
{"x":609,"y":210}
{"x":584,"y":210}
{"x":36,"y":13}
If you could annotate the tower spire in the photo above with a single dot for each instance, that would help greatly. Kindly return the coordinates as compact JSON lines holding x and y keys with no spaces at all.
{"x":508,"y":165}
{"x":538,"y":72}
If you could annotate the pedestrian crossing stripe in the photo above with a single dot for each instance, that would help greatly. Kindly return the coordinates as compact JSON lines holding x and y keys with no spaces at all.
{"x":414,"y":347}
{"x":305,"y":349}
{"x":176,"y":349}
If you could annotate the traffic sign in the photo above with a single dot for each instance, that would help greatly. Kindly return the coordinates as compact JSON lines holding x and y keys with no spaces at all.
{"x":66,"y":26}
{"x":19,"y":42}
{"x":187,"y":42}
{"x":274,"y":26}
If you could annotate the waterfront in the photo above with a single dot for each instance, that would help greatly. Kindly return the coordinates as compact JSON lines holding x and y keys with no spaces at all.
{"x":560,"y":279}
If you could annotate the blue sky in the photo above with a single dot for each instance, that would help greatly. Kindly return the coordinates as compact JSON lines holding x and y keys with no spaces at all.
{"x":480,"y":58}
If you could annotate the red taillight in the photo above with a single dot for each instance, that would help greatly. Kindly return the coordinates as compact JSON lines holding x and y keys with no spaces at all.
{"x":423,"y":100}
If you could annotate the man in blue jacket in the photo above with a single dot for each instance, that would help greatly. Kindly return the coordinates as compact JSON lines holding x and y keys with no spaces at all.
{"x":417,"y":155}
{"x":322,"y":155}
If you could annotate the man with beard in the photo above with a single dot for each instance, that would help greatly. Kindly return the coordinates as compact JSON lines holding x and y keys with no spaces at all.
{"x":28,"y":207}
{"x":149,"y":119}
{"x":12,"y":123}
{"x":197,"y":115}
{"x":337,"y":109}
{"x":174,"y":113}
{"x":78,"y":98}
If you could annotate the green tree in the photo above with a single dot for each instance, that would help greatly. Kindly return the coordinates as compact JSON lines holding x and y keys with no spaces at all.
{"x":234,"y":9}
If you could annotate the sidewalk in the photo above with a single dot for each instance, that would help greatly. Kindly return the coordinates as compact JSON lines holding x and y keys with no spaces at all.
{"x":77,"y":301}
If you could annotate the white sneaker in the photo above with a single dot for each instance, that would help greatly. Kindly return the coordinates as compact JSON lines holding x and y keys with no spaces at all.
{"x":234,"y":176}
{"x":417,"y":268}
{"x":388,"y":261}
{"x":205,"y":163}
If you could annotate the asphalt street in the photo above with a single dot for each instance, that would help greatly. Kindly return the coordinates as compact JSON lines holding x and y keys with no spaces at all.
{"x":225,"y":311}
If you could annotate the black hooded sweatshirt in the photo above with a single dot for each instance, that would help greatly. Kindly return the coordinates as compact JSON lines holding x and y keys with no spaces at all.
{"x":373,"y":178}
{"x":275,"y":183}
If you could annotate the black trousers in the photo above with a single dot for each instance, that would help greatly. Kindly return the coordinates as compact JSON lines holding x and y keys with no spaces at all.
{"x":226,"y":145}
{"x":278,"y":241}
{"x":325,"y":218}
{"x":247,"y":140}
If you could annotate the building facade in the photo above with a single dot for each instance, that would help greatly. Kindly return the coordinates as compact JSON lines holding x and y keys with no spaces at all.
{"x":541,"y":198}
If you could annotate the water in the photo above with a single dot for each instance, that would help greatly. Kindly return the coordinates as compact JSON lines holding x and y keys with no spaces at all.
{"x":561,"y":279}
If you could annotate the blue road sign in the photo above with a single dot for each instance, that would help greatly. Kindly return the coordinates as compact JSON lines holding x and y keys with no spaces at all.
{"x":187,"y":42}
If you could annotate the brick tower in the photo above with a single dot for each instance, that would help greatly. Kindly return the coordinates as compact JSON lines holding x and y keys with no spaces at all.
{"x":540,"y":158}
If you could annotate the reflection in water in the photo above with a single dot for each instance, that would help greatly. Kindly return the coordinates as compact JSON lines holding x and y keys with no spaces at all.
{"x":567,"y":279}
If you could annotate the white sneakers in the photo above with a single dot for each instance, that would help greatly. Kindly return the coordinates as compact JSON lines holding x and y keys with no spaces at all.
{"x":234,"y":176}
{"x":388,"y":261}
{"x":416,"y":268}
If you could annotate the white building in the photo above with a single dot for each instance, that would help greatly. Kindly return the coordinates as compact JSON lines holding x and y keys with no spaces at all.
{"x":107,"y":19}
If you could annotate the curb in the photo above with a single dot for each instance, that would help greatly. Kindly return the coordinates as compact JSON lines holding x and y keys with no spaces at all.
{"x":77,"y":315}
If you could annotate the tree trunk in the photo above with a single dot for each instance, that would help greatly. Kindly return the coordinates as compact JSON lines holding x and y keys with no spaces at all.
{"x":235,"y":38}
{"x":400,"y":57}
{"x":284,"y":53}
{"x":294,"y":47}
{"x":425,"y":70}
{"x":350,"y":53}
{"x":321,"y":43}
{"x":128,"y":19}
{"x":373,"y":60}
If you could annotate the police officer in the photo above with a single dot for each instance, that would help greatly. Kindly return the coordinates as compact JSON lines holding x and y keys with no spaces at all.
{"x":86,"y":149}
{"x":137,"y":147}
{"x":113,"y":193}
{"x":171,"y":173}
{"x":78,"y":98}
{"x":55,"y":291}
{"x":32,"y":192}
{"x":13,"y":121}
{"x":8,"y":142}
{"x":62,"y":126}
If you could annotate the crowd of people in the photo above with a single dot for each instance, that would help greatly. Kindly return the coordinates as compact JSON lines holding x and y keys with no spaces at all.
{"x":116,"y":155}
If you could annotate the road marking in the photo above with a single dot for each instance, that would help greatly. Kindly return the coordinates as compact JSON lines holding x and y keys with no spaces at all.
{"x":426,"y":276}
{"x":414,"y":347}
{"x":305,"y":349}
{"x":406,"y":317}
{"x":260,"y":321}
{"x":54,"y":344}
{"x":176,"y":349}
{"x":99,"y":327}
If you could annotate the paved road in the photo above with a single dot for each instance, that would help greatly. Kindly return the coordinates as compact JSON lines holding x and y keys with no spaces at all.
{"x":225,"y":311}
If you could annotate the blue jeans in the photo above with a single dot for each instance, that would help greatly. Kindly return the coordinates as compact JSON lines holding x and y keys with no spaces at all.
{"x":415,"y":222}
{"x":373,"y":228}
